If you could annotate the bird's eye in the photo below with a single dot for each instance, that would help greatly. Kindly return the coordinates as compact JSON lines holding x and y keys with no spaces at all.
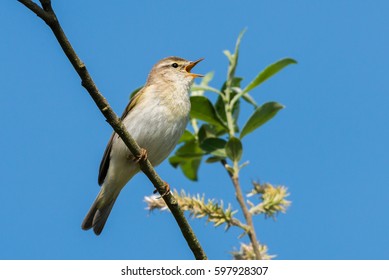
{"x":175,"y":65}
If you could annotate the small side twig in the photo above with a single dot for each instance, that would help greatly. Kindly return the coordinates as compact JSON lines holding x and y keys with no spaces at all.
{"x":47,"y":14}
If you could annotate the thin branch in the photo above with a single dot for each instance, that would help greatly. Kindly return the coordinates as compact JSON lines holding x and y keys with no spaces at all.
{"x":246,"y":213}
{"x":48,"y":15}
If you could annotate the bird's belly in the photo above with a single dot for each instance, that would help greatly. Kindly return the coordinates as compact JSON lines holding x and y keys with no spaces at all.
{"x":160,"y":139}
{"x":158,"y":132}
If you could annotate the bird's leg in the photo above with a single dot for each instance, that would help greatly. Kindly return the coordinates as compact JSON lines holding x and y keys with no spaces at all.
{"x":167,"y":190}
{"x":141,"y":157}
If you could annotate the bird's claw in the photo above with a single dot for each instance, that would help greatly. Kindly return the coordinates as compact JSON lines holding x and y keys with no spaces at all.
{"x":142,"y":156}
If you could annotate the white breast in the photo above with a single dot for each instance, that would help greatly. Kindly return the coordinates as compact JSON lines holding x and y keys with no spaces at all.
{"x":158,"y":124}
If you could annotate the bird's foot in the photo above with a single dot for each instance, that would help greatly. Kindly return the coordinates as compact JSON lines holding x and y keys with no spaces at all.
{"x":141,"y":157}
{"x":167,"y":190}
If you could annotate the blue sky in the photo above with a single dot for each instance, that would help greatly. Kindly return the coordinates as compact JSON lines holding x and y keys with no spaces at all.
{"x":329,"y":146}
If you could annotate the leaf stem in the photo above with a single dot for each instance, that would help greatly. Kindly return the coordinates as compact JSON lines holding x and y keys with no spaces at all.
{"x":195,"y":126}
{"x":230,"y":120}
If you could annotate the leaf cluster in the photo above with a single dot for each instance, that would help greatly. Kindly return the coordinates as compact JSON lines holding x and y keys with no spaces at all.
{"x":216,"y":135}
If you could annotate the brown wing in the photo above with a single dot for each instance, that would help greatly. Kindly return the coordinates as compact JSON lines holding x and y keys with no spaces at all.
{"x":104,"y":165}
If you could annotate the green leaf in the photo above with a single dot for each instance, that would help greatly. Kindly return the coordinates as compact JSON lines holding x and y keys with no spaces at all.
{"x":203,"y":109}
{"x":228,"y":54}
{"x":233,"y":58}
{"x":248,"y":98}
{"x":175,"y":161}
{"x":188,"y":158}
{"x":244,"y":164}
{"x":234,"y":149}
{"x":189,"y":166}
{"x":214,"y":159}
{"x":206,"y":131}
{"x":210,"y":131}
{"x":214,"y":146}
{"x":268,"y":72}
{"x":186,"y":137}
{"x":260,"y":116}
{"x":219,"y":107}
{"x":190,"y":149}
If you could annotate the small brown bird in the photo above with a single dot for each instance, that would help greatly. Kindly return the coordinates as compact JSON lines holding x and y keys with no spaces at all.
{"x":156,"y":117}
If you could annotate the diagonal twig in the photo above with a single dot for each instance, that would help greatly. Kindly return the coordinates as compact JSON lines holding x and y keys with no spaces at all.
{"x":47,"y":14}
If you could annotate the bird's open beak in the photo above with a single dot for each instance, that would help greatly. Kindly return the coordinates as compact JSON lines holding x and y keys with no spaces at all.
{"x":190,"y":66}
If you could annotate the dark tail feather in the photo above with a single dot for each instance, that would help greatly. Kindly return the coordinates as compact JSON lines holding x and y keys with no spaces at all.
{"x":96,"y":218}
